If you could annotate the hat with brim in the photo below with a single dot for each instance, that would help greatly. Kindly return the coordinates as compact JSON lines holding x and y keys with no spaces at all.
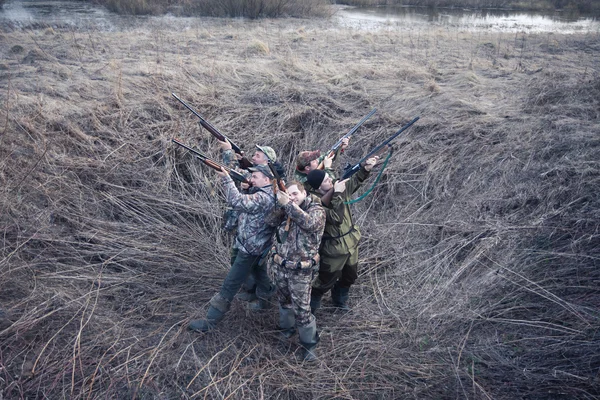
{"x":305,"y":157}
{"x":262,"y":168}
{"x":269,"y":152}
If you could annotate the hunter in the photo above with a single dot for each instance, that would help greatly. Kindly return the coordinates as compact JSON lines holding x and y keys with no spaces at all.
{"x":307,"y":161}
{"x":339,"y":246}
{"x":295,"y":260}
{"x":253,"y":239}
{"x":262,"y":156}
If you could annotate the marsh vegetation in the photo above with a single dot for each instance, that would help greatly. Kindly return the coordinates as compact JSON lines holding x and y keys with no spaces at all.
{"x":479,"y":261}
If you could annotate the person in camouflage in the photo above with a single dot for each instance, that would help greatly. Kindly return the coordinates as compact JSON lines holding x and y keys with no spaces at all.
{"x":339,"y":247}
{"x":294,"y":261}
{"x":253,"y":239}
{"x":307,"y":161}
{"x":262,"y":156}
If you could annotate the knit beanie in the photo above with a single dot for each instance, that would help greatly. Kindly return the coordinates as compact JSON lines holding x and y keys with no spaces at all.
{"x":315,"y":178}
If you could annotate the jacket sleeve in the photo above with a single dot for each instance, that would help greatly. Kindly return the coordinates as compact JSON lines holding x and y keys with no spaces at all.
{"x":250,"y":203}
{"x":356,"y":181}
{"x":229,"y":158}
{"x":335,"y":211}
{"x":311,"y":221}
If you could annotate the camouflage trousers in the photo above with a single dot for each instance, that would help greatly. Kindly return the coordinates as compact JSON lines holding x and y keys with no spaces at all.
{"x":293,"y":291}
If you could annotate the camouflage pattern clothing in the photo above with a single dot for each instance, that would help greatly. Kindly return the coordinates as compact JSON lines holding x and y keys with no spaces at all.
{"x":253,"y":235}
{"x":231,"y":161}
{"x":294,"y":260}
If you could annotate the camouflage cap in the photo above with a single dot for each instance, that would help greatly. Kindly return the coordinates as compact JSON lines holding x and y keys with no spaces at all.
{"x":305,"y":157}
{"x":269,"y":152}
{"x":262,"y":168}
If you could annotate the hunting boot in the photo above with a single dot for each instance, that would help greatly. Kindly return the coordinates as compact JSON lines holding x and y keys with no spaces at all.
{"x":309,"y":338}
{"x":287,"y":327}
{"x":248,"y":290}
{"x":218,"y":307}
{"x":259,"y":304}
{"x":339,"y":297}
{"x":315,"y":302}
{"x":263,"y":299}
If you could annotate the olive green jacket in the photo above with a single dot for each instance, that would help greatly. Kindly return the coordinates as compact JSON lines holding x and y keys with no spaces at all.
{"x":341,"y":236}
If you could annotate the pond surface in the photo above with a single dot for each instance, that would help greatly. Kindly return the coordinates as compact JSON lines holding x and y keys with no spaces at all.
{"x":84,"y":14}
{"x":464,"y":19}
{"x":81,"y":14}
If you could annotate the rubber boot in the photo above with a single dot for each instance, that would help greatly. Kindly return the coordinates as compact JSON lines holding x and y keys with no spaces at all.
{"x":315,"y":302}
{"x":263,"y":299}
{"x":259,"y":304}
{"x":287,"y":329}
{"x":339,"y":297}
{"x":218,"y":307}
{"x":309,"y":338}
{"x":248,"y":290}
{"x":244,"y":295}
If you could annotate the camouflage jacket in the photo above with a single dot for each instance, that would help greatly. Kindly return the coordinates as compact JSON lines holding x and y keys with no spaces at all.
{"x":301,"y":242}
{"x":341,"y":235}
{"x":253,"y":235}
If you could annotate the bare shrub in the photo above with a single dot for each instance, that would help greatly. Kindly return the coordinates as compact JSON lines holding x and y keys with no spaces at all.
{"x":258,"y":8}
{"x":478,"y":263}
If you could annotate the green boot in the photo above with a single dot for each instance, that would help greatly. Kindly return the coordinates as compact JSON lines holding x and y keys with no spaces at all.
{"x":315,"y":302}
{"x":309,"y":338}
{"x":218,"y":307}
{"x":263,"y":299}
{"x":339,"y":298}
{"x":287,"y":328}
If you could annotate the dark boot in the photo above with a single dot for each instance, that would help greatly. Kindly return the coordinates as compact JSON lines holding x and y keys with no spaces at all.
{"x":339,"y":297}
{"x":263,"y":299}
{"x":259,"y":304}
{"x":315,"y":302}
{"x":248,"y":290}
{"x":287,"y":328}
{"x":218,"y":307}
{"x":244,"y":295}
{"x":309,"y":338}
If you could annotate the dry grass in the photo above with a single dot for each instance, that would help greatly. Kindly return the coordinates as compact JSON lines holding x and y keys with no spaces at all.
{"x":479,"y":263}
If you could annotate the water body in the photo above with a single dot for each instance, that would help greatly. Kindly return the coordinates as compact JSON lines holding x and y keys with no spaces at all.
{"x":80,"y":14}
{"x":469,"y":20}
{"x":84,"y":14}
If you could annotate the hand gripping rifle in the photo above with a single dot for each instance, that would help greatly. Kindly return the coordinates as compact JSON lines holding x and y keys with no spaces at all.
{"x":278,"y":184}
{"x":352,"y":169}
{"x":351,"y":132}
{"x":244,"y":162}
{"x":213,"y":164}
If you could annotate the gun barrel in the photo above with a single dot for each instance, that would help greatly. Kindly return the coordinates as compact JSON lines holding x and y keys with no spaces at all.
{"x":213,"y":164}
{"x":353,"y":130}
{"x":206,"y":125}
{"x":354,"y":169}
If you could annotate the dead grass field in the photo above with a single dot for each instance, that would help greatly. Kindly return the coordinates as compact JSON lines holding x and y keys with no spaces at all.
{"x":480,"y":272}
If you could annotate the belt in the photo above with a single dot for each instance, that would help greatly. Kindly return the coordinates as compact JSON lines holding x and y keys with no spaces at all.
{"x":299,"y":265}
{"x":339,"y":236}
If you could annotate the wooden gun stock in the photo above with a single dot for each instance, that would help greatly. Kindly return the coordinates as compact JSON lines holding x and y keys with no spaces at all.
{"x":213,"y":164}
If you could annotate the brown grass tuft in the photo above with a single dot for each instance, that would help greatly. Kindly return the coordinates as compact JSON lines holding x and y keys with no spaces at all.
{"x":478,"y":263}
{"x":257,"y":47}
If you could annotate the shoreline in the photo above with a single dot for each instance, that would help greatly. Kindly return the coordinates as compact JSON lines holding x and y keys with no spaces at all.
{"x":479,"y":242}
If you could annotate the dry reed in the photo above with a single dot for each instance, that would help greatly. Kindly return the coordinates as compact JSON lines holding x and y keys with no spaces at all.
{"x":479,"y":261}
